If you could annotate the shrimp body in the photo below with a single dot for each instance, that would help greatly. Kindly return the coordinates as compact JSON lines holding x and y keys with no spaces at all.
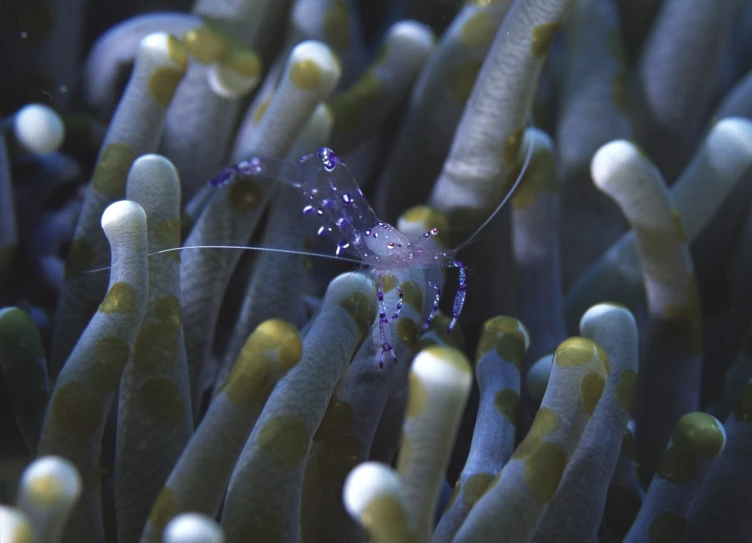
{"x":331,"y":193}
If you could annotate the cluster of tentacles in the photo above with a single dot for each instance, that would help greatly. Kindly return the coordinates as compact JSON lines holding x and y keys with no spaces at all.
{"x":225,"y":395}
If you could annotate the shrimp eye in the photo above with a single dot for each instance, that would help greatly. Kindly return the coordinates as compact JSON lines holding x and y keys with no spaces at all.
{"x":432,"y":232}
{"x":327,"y":158}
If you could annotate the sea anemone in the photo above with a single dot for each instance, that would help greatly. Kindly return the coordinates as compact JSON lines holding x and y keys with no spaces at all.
{"x":591,"y":159}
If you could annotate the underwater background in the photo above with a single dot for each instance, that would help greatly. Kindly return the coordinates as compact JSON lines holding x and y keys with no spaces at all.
{"x":588,"y":161}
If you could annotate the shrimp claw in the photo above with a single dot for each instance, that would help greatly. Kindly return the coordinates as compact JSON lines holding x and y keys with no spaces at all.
{"x":459,"y":298}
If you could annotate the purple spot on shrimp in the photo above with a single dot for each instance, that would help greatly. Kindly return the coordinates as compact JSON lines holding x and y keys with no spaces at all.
{"x":342,"y":222}
{"x":223,"y":177}
{"x":250,"y":167}
{"x":307,"y":210}
{"x":347,"y":199}
{"x":322,"y":231}
{"x":343,"y":244}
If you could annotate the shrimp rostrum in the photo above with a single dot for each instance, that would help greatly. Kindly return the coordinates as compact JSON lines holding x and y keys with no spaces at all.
{"x":331,"y":193}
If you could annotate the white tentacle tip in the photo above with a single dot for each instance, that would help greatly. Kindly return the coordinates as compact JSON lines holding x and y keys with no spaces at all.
{"x":613,"y":160}
{"x":538,"y":376}
{"x":443,"y":368}
{"x":50,"y":482}
{"x":236,"y":76}
{"x":229,"y":84}
{"x":414,"y":35}
{"x":15,"y":526}
{"x":734,"y":124}
{"x":735,"y":131}
{"x":38,"y":129}
{"x":155,"y":41}
{"x":149,"y":169}
{"x":154,"y":161}
{"x":123,"y":215}
{"x":164,"y":50}
{"x":606,"y":309}
{"x":314,"y":67}
{"x":367,"y":482}
{"x":193,"y":528}
{"x":346,"y":284}
{"x":540,"y":141}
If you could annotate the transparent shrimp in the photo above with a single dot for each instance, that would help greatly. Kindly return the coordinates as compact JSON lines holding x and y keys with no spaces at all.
{"x":331,"y":193}
{"x":333,"y":196}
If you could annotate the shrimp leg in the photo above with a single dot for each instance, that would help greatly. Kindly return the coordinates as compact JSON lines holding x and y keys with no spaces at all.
{"x":386,"y":343}
{"x":434,"y":306}
{"x":459,"y":298}
{"x":398,"y":308}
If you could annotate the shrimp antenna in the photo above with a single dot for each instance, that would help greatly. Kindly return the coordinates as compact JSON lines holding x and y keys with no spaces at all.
{"x":517,"y":181}
{"x":244,"y":248}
